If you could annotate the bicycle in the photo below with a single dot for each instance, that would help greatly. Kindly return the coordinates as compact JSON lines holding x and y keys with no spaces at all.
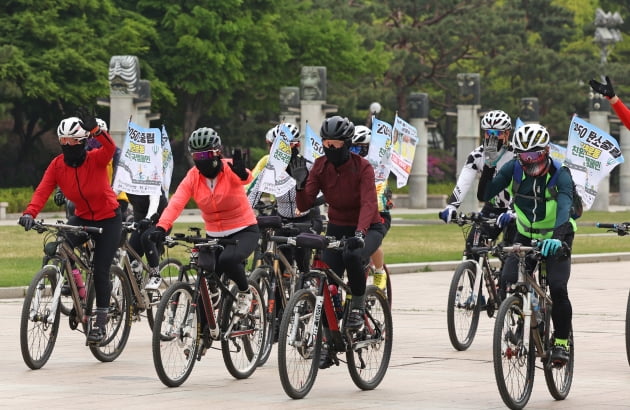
{"x":466,"y":298}
{"x":40,"y":317}
{"x":621,"y":229}
{"x":276,"y":276}
{"x":190,"y":318}
{"x":313,"y":311}
{"x":520,"y":336}
{"x":137,"y":274}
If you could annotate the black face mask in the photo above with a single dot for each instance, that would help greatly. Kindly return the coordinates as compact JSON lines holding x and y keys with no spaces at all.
{"x":73,"y":155}
{"x":337,"y":156}
{"x":209,"y":168}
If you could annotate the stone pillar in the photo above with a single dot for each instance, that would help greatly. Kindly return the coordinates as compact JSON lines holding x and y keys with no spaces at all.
{"x":419,"y":115}
{"x":624,"y":169}
{"x":599,"y":118}
{"x":468,"y":126}
{"x":313,"y":107}
{"x":130,"y":97}
{"x":290,"y":105}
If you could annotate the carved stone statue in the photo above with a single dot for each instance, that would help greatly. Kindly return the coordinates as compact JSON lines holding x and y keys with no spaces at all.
{"x":289,"y":98}
{"x":530,"y":109}
{"x":469,"y":85}
{"x":313,"y":83}
{"x":419,"y":105}
{"x":124,"y":75}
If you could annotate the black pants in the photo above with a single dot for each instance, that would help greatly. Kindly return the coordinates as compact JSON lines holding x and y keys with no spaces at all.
{"x":353,"y":261}
{"x":232,"y":259}
{"x":105,"y":245}
{"x":140,"y":242}
{"x":558,"y":273}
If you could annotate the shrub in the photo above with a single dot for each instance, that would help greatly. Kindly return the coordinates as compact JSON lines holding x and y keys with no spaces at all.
{"x":441,"y":166}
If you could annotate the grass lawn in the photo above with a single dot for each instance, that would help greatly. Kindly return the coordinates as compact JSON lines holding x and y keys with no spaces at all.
{"x":22,"y":251}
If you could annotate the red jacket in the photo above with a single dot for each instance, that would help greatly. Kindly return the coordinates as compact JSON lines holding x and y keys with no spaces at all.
{"x":224,"y":208}
{"x":349,"y":191}
{"x":622,"y":112}
{"x":87,"y":185}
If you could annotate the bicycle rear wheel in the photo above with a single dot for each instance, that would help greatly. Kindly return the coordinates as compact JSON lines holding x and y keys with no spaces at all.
{"x":175,"y":341}
{"x":242,"y":343}
{"x":38,"y":333}
{"x":118,"y":323}
{"x":261,"y":276}
{"x":462,"y":317}
{"x":513,"y":363}
{"x":169,"y":269}
{"x":299,"y":345}
{"x":559,"y":379}
{"x":371,"y":349}
{"x":628,"y":330}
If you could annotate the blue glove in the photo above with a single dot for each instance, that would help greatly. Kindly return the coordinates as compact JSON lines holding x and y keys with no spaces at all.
{"x":505,"y":218}
{"x":447,"y":214}
{"x":550,"y":247}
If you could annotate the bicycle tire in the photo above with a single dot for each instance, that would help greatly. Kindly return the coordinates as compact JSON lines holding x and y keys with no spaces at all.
{"x":388,"y":286}
{"x":628,"y":329}
{"x":462,"y":321}
{"x":170,"y":269}
{"x":65,"y":302}
{"x":260,"y":276}
{"x":169,"y":272}
{"x":242,"y":345}
{"x":118,"y":317}
{"x":298,"y":359}
{"x":175,"y":342}
{"x":37,"y":337}
{"x":559,"y":380}
{"x":509,"y":356}
{"x":368,"y":364}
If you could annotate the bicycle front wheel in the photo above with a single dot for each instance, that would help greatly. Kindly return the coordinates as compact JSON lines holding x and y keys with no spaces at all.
{"x":261,"y":277}
{"x":169,"y":269}
{"x":462,"y":313}
{"x":243,"y":338}
{"x":65,"y":302}
{"x":299,"y":345}
{"x":39,"y":324}
{"x":513,"y":362}
{"x":118,"y":317}
{"x":559,"y":379}
{"x":628,"y":329}
{"x":175,"y":341}
{"x":371,"y":348}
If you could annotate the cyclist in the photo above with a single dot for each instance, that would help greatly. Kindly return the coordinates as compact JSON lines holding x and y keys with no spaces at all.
{"x":539,"y":216}
{"x":347,"y":182}
{"x":361,"y":146}
{"x":488,"y":158}
{"x":607,"y":91}
{"x":286,"y":205}
{"x":82,"y":176}
{"x":216,"y":185}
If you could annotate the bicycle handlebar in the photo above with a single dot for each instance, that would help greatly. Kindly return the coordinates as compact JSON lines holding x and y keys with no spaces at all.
{"x":462,"y":219}
{"x":620,"y":228}
{"x":41,"y":226}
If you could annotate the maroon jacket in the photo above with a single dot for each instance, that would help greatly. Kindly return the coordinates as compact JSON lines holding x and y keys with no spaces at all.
{"x":349,"y":191}
{"x":87,"y":185}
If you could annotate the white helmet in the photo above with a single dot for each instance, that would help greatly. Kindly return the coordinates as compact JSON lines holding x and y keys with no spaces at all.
{"x":362,"y":135}
{"x":496,"y":120}
{"x":529,"y":137}
{"x":102,"y":124}
{"x":71,"y":128}
{"x":271,"y":135}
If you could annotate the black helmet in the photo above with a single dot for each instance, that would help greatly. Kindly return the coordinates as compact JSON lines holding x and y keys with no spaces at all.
{"x":337,"y":128}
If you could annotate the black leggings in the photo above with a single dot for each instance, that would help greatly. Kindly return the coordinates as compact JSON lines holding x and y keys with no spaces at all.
{"x":105,"y":245}
{"x":558,"y":273}
{"x":232,"y":258}
{"x":141,"y":243}
{"x":353,"y":261}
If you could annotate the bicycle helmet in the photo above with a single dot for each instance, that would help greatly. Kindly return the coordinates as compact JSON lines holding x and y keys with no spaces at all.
{"x":204,"y":139}
{"x":496,"y":120}
{"x":362,"y":135}
{"x":337,"y":128}
{"x":102,"y":124}
{"x":273,"y":132}
{"x":530,"y":137}
{"x":71,"y":128}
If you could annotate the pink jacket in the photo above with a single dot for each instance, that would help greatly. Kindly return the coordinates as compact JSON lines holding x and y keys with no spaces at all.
{"x":222,"y":209}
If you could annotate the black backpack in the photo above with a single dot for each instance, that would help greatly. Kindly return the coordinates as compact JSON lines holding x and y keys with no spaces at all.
{"x":576,"y":207}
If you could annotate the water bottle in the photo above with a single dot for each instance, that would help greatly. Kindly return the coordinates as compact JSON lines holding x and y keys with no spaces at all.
{"x":78,"y":279}
{"x":336,"y":299}
{"x":536,"y":307}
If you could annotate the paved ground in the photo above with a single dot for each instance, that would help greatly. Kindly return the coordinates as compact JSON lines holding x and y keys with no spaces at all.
{"x":425,"y":371}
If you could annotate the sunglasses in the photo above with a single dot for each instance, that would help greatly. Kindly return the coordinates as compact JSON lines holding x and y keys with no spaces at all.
{"x":531,"y":157}
{"x":71,"y":141}
{"x":493,"y":133}
{"x":201,"y":155}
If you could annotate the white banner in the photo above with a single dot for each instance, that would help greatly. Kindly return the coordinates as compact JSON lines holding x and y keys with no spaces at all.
{"x":168,"y":164}
{"x":379,"y":154}
{"x":591,"y":155}
{"x":313,"y":147}
{"x":404,"y":140}
{"x":140,"y":167}
{"x":274,"y":178}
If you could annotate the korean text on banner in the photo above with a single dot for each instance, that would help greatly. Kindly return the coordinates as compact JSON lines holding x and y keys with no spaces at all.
{"x":274,"y":178}
{"x":313,"y":147}
{"x":404,"y":140}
